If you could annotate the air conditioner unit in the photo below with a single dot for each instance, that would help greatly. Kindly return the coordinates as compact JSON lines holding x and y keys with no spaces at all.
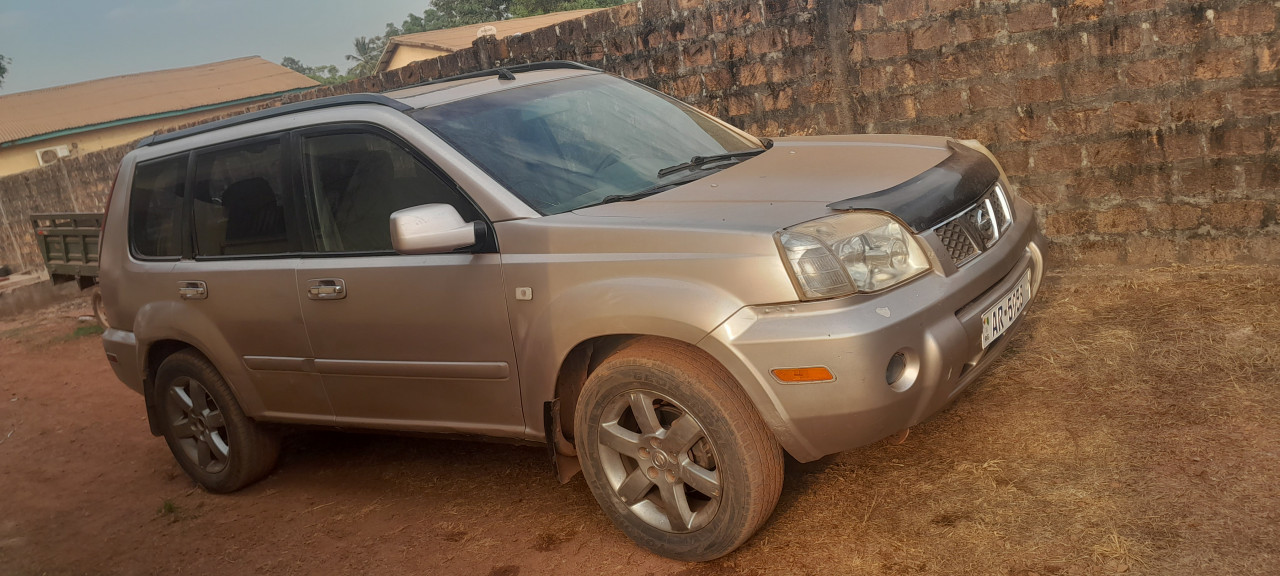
{"x":51,"y":154}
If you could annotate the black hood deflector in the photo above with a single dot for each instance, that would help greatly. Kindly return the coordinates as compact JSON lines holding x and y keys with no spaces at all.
{"x":934,"y":195}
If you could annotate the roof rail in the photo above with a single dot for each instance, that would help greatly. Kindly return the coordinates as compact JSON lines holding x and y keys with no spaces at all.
{"x":317,"y":104}
{"x":505,"y":72}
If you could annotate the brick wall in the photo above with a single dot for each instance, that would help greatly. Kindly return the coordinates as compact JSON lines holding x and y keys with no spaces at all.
{"x":1144,"y":131}
{"x":78,"y":184}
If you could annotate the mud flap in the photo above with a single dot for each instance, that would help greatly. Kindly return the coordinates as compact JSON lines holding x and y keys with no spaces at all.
{"x":564,"y":457}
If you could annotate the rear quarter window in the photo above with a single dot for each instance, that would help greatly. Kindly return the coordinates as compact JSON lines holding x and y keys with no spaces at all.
{"x":155,"y":207}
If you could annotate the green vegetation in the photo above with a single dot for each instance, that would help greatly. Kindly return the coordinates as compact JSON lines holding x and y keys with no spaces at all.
{"x":322,"y":74}
{"x":368,"y":51}
{"x":78,"y":333}
{"x":4,"y":67}
{"x":169,"y":510}
{"x":442,"y":14}
{"x":525,"y":8}
{"x":86,"y":330}
{"x":14,"y":333}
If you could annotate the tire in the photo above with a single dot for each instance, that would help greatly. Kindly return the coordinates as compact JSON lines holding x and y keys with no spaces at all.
{"x":674,"y":451}
{"x":214,"y":442}
{"x":99,"y":312}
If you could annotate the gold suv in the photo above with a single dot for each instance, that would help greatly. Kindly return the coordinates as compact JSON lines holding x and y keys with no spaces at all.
{"x":551,"y":254}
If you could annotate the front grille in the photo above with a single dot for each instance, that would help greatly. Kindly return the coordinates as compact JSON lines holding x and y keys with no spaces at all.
{"x":957,"y":242}
{"x":977,"y":228}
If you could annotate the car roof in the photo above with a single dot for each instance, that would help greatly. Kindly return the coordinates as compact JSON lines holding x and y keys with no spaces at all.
{"x":417,"y":97}
{"x":422,"y":95}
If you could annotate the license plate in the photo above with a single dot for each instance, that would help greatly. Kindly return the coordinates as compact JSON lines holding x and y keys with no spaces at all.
{"x":999,"y":317}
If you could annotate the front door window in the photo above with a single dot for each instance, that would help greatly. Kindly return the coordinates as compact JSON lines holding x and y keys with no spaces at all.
{"x":358,"y":179}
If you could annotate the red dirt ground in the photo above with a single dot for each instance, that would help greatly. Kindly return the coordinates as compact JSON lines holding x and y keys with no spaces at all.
{"x":1131,"y":428}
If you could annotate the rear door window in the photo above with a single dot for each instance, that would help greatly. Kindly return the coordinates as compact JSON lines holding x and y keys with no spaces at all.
{"x":241,"y":202}
{"x":155,"y":207}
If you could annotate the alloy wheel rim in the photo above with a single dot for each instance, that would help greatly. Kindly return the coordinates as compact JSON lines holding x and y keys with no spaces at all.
{"x":659,"y":461}
{"x":198,"y":425}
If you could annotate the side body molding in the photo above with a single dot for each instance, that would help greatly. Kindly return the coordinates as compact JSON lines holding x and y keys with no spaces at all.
{"x":405,"y":369}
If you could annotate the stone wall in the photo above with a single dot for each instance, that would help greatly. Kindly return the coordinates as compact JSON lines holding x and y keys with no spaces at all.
{"x":1145,"y":131}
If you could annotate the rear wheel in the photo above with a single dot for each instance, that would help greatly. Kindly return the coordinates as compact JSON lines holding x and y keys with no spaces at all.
{"x":214,"y":442}
{"x":674,"y":451}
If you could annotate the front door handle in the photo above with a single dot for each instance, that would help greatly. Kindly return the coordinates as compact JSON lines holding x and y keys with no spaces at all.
{"x":327,"y":289}
{"x":192,"y":290}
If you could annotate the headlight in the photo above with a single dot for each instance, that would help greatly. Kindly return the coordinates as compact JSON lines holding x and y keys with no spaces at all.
{"x":851,"y":252}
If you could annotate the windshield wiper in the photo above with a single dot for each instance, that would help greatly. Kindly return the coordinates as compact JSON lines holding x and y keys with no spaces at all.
{"x":638,"y":195}
{"x":697,"y":161}
{"x":650,"y":191}
{"x":664,"y":186}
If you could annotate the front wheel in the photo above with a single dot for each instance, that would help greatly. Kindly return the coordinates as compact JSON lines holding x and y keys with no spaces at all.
{"x":212,"y":439}
{"x":674,"y":451}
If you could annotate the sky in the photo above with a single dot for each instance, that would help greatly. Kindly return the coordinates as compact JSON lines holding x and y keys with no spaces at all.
{"x":55,"y":42}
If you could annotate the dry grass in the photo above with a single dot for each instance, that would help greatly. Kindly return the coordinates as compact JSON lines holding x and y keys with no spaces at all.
{"x":1131,"y":427}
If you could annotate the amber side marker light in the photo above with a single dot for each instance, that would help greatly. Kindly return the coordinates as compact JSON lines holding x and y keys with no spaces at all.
{"x":803,"y":375}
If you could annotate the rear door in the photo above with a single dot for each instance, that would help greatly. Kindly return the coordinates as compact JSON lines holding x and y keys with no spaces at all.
{"x":239,"y":283}
{"x":403,"y":342}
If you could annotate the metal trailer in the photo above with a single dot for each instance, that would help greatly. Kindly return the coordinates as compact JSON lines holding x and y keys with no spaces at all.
{"x":69,"y":244}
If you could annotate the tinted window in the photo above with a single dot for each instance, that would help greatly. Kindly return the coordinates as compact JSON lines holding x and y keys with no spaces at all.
{"x":241,"y":202}
{"x":356,"y":180}
{"x":569,"y":143}
{"x":155,"y":207}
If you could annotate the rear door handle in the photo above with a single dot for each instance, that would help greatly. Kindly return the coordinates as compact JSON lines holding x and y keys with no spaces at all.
{"x":327,"y":289}
{"x":193,"y":290}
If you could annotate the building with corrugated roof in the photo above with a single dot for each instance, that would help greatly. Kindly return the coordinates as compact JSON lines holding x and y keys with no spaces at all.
{"x":404,"y":50}
{"x":40,"y":127}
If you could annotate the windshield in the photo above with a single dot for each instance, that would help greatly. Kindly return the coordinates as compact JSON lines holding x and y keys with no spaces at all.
{"x":575,"y":142}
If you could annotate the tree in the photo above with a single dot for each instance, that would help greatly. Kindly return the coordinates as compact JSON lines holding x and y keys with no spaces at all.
{"x":454,"y":13}
{"x":451,"y":14}
{"x":368,"y":51}
{"x":525,"y":8}
{"x":442,"y":14}
{"x":322,"y":74}
{"x":4,"y":67}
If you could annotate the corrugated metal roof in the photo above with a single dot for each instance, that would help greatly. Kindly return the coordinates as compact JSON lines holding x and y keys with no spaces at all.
{"x":28,"y":114}
{"x":454,"y":39}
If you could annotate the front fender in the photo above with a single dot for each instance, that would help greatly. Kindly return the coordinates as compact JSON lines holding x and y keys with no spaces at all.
{"x":671,"y":308}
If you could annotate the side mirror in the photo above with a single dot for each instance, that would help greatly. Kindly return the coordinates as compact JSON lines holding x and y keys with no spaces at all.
{"x":430,"y":229}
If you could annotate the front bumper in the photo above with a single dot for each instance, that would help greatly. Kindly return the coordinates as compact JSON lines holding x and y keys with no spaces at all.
{"x":934,"y":321}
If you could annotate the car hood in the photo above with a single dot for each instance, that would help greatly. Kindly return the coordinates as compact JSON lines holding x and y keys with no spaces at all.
{"x":794,"y":181}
